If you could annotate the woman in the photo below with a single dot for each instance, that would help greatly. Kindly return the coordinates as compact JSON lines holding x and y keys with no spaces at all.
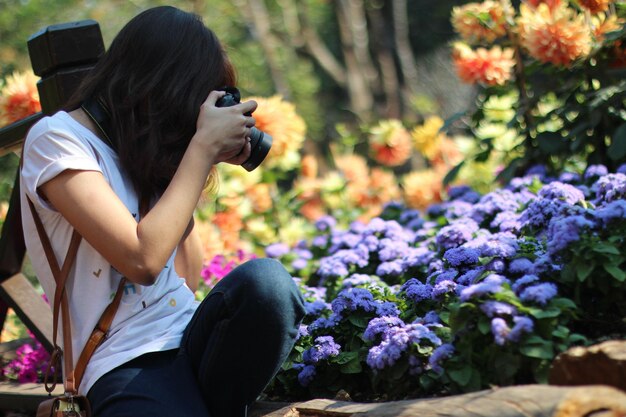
{"x":130,"y":190}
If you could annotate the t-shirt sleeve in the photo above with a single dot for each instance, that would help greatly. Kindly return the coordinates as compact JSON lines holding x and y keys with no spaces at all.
{"x":50,"y":150}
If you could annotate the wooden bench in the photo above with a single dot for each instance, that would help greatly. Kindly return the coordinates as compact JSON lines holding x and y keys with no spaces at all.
{"x":61,"y":55}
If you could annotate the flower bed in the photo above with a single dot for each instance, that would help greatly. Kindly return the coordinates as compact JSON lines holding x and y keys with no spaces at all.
{"x":479,"y":291}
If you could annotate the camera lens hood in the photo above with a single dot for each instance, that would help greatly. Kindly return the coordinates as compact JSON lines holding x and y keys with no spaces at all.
{"x":261,"y":144}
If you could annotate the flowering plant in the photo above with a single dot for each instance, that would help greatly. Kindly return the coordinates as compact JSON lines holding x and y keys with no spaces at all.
{"x":563,"y":61}
{"x":476,"y":291}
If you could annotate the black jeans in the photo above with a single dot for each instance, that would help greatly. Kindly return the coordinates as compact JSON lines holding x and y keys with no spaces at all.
{"x":232,"y":347}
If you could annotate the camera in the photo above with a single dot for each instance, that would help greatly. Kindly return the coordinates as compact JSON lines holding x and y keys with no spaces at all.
{"x":260,"y":141}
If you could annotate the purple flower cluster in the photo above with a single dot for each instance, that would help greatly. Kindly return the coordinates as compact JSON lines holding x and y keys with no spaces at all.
{"x":397,"y":339}
{"x":29,"y":365}
{"x":503,"y":333}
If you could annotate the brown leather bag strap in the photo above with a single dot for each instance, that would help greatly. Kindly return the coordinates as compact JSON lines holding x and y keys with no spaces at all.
{"x":98,"y":334}
{"x":73,"y":376}
{"x":60,"y":303}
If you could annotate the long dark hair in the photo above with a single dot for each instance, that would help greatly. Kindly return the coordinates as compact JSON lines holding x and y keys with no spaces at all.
{"x":153,"y":78}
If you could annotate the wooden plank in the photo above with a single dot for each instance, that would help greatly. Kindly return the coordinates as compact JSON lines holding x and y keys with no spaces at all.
{"x":27,"y":303}
{"x":516,"y":401}
{"x":12,"y":136}
{"x":23,"y":397}
{"x":603,"y":363}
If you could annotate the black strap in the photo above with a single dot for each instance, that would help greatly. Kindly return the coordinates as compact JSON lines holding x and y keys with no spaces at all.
{"x":100,"y":115}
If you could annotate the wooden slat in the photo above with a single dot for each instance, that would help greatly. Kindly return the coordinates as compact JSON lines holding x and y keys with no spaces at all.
{"x":12,"y":136}
{"x":23,"y":397}
{"x":27,"y":303}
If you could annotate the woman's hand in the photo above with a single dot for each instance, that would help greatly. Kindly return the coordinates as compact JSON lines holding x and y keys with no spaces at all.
{"x":224,"y":132}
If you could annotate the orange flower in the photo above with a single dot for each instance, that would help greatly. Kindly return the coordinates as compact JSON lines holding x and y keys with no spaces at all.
{"x":260,"y":196}
{"x":426,"y":138}
{"x":558,"y":36}
{"x":422,"y":188}
{"x":19,"y":97}
{"x":230,"y":225}
{"x":354,"y":167}
{"x":313,"y":209}
{"x":308,"y":166}
{"x":603,"y":24}
{"x":552,"y":4}
{"x":390,"y":143}
{"x":279,"y":119}
{"x":595,"y":6}
{"x":447,"y":156}
{"x":476,"y":22}
{"x":488,"y":67}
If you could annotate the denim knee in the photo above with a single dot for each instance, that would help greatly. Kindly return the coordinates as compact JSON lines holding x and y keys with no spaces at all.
{"x":266,"y":282}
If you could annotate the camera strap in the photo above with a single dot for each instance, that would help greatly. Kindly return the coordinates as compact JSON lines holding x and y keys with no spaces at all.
{"x":99,"y":114}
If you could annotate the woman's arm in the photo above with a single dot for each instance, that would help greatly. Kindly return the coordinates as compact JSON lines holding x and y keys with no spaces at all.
{"x":139,"y":251}
{"x":189,"y":258}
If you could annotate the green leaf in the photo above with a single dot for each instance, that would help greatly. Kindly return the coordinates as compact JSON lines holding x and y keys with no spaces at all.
{"x":453,"y":173}
{"x":352,"y":367}
{"x":617,"y":149}
{"x":552,"y":142}
{"x":605,"y":248}
{"x":358,"y":321}
{"x":345,"y":357}
{"x":539,"y":350}
{"x":544,"y":313}
{"x":616,"y":272}
{"x":461,"y":376}
{"x":583,"y":270}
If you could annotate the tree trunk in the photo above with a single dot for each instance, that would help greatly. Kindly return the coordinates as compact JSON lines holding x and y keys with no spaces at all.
{"x":517,"y":401}
{"x":255,"y":12}
{"x":404,"y":50}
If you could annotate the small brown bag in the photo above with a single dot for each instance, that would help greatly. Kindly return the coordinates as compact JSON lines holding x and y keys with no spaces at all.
{"x":69,"y":404}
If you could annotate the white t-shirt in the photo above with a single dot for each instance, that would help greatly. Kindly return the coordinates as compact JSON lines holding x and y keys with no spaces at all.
{"x":150,"y":318}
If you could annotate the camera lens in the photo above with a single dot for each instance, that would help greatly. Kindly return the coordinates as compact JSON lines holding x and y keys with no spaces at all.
{"x":261,"y":143}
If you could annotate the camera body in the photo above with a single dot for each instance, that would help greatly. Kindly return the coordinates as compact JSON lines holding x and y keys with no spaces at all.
{"x":260,"y":142}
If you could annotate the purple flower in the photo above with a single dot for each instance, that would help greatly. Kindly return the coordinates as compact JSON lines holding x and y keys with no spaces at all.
{"x":506,"y":221}
{"x":352,"y":299}
{"x":306,"y":375}
{"x":470,"y":276}
{"x":276,"y":250}
{"x":497,"y":308}
{"x":595,"y":171}
{"x":431,"y":318}
{"x":390,"y":250}
{"x":500,"y":330}
{"x":417,"y":291}
{"x":491,"y":285}
{"x":443,"y":287}
{"x":315,"y":308}
{"x":324,"y":323}
{"x":610,"y":187}
{"x":563,"y":192}
{"x":569,"y":177}
{"x":387,"y":308}
{"x":621,"y":169}
{"x":319,"y":241}
{"x":416,"y":257}
{"x":562,"y":231}
{"x":380,"y":325}
{"x":440,"y":354}
{"x":299,"y":264}
{"x":521,"y":266}
{"x":493,"y":203}
{"x":356,"y":280}
{"x":303,"y":331}
{"x":612,"y":212}
{"x":522,"y":324}
{"x":463,"y":193}
{"x":325,"y":223}
{"x":521,"y":283}
{"x":393,"y":268}
{"x":455,"y":234}
{"x":332,"y":266}
{"x":462,"y":255}
{"x":501,"y":245}
{"x":324,"y":348}
{"x":540,"y":293}
{"x":396,"y":341}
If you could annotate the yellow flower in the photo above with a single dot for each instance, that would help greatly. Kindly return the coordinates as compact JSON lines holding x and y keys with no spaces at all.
{"x":595,"y":6}
{"x":261,"y":231}
{"x":485,"y":66}
{"x":390,"y":143}
{"x":422,"y":188}
{"x":279,"y":119}
{"x":603,"y":24}
{"x":476,"y":22}
{"x":426,"y":138}
{"x":293,"y":232}
{"x":550,"y":3}
{"x":559,"y":36}
{"x":19,"y":97}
